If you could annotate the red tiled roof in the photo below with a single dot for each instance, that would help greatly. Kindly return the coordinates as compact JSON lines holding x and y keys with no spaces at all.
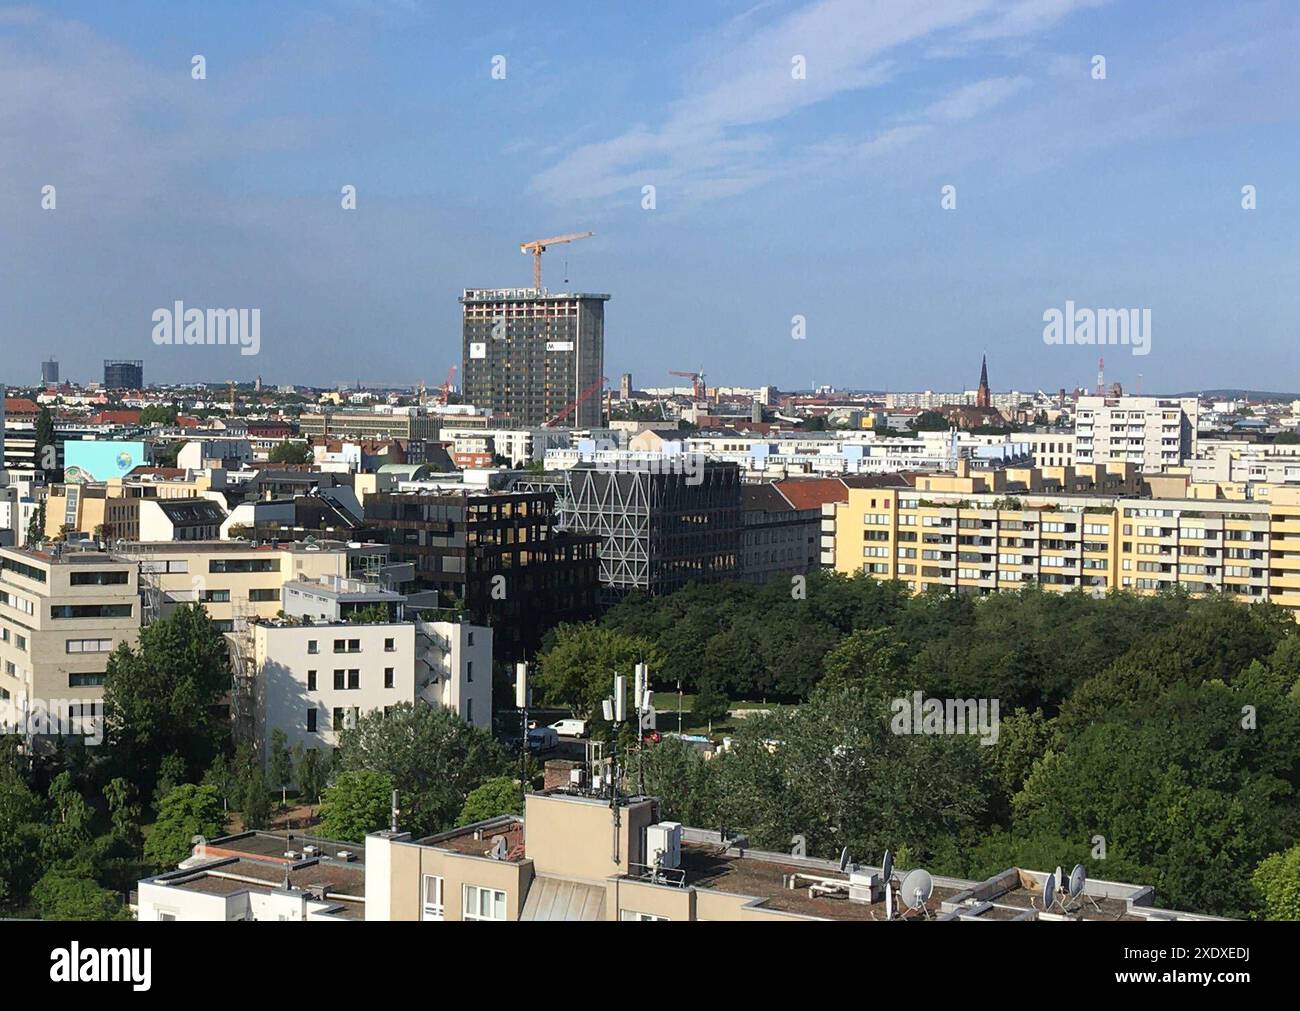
{"x":812,"y":492}
{"x":15,"y":406}
{"x":126,"y":417}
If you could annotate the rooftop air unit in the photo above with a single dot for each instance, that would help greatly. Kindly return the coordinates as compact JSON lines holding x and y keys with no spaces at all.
{"x":664,"y":844}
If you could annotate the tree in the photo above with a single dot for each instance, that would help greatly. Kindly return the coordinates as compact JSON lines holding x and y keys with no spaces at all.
{"x":280,"y":765}
{"x":929,"y":421}
{"x":433,"y":757}
{"x":221,"y":777}
{"x":46,"y":443}
{"x":251,"y":789}
{"x":171,"y":774}
{"x":60,"y":895}
{"x":161,"y":696}
{"x":158,"y":414}
{"x":710,"y":704}
{"x":312,"y":772}
{"x":291,"y":453}
{"x":21,"y":816}
{"x":1277,"y":879}
{"x":577,"y":668}
{"x":358,"y":803}
{"x":495,"y":797}
{"x":188,"y":811}
{"x":36,"y":525}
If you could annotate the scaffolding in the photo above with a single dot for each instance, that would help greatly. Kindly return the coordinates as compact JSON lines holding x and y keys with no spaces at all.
{"x":243,"y":673}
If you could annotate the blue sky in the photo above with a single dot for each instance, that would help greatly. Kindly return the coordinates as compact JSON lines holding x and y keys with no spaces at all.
{"x":775,"y":197}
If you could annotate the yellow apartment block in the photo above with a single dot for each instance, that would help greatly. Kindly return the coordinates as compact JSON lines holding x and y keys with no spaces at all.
{"x":945,"y":532}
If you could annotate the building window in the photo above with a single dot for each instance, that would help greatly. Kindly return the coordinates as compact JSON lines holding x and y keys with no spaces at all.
{"x":469,"y":671}
{"x":390,"y":646}
{"x":483,"y":903}
{"x":85,"y":680}
{"x":469,"y":638}
{"x":262,"y":596}
{"x":388,"y":677}
{"x":431,"y":906}
{"x":469,"y":710}
{"x":311,"y":680}
{"x":215,"y":596}
{"x":339,"y":682}
{"x":311,"y":720}
{"x":340,"y":646}
{"x":338,"y":718}
{"x":630,"y":916}
{"x":91,"y":611}
{"x":89,"y":646}
{"x":313,"y":646}
{"x":354,"y":679}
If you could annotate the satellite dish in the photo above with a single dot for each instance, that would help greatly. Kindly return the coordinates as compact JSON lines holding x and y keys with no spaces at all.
{"x":499,"y":848}
{"x":1078,"y":878}
{"x":1060,"y":878}
{"x":844,"y":859}
{"x":887,"y":868}
{"x":918,"y":886}
{"x":1049,"y":891}
{"x":889,"y":901}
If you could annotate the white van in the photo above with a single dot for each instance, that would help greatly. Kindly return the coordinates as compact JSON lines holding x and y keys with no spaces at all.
{"x":570,"y":728}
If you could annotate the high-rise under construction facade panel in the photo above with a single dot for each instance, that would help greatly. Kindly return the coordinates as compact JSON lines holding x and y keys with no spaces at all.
{"x":533,"y":355}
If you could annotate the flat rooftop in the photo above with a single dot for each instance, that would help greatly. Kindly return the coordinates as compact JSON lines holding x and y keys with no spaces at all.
{"x":770,"y":880}
{"x":256,"y":862}
{"x":133,"y":548}
{"x":477,"y":840}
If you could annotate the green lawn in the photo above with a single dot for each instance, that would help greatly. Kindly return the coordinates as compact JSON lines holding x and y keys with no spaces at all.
{"x":666,"y":714}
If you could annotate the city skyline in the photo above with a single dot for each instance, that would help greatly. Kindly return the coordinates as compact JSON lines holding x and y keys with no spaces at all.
{"x":776,"y":196}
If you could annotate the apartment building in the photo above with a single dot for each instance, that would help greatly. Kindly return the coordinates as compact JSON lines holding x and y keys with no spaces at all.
{"x":778,"y":539}
{"x":532,"y":355}
{"x":400,"y":423}
{"x":61,"y":614}
{"x":1156,"y":433}
{"x":982,"y":542}
{"x":238,"y":579}
{"x":329,"y":661}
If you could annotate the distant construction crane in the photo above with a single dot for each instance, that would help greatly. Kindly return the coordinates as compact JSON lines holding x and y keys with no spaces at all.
{"x":538,"y":246}
{"x":698,"y":390}
{"x":444,"y":393}
{"x":582,"y":397}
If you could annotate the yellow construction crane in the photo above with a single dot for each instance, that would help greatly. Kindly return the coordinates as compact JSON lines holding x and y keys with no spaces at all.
{"x":538,"y":246}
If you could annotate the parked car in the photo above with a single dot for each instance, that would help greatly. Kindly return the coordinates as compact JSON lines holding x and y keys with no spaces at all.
{"x":570,"y":728}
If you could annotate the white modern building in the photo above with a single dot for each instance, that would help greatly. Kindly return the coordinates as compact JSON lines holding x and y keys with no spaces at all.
{"x":1156,"y":433}
{"x":332,"y":658}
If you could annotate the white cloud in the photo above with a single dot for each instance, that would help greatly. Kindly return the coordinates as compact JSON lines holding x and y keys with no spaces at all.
{"x":971,"y":100}
{"x":747,"y":83}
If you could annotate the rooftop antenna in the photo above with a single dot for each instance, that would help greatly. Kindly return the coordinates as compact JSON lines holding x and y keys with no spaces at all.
{"x":394,"y":813}
{"x":918,"y":886}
